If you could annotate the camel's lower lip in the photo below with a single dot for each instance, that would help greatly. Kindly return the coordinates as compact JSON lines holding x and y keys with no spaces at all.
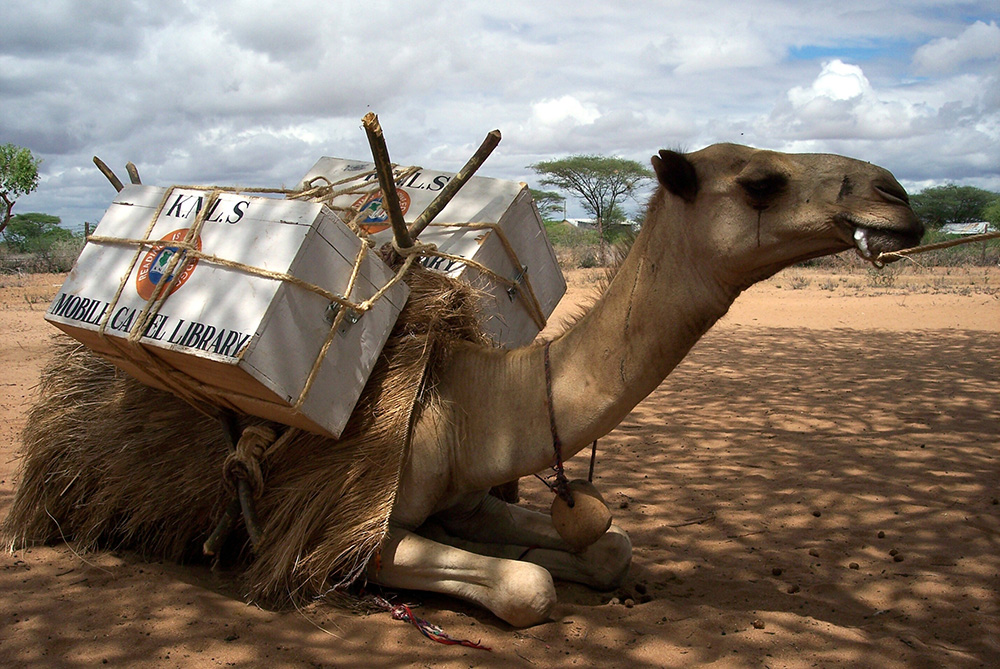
{"x":874,"y":244}
{"x":875,"y":241}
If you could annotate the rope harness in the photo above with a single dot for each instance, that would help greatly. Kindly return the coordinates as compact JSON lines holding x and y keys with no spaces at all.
{"x":561,"y":485}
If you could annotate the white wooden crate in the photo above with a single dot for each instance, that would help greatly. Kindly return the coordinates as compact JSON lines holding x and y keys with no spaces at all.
{"x":248,"y":341}
{"x":506,"y":205}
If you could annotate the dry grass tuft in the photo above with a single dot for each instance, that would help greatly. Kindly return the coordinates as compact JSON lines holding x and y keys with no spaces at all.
{"x":108,"y":462}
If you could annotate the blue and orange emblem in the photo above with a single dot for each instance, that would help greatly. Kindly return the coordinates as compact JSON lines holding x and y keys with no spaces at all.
{"x":376,"y":218}
{"x":153,"y":266}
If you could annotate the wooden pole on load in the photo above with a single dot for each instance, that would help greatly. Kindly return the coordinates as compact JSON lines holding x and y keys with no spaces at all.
{"x":106,"y":171}
{"x":383,"y":168}
{"x":133,"y":172}
{"x":442,"y":199}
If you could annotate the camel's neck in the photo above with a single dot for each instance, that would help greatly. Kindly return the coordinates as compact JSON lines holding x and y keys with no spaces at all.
{"x":659,"y":304}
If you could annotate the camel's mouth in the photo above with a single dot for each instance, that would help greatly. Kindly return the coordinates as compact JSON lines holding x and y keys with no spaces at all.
{"x":872,"y":242}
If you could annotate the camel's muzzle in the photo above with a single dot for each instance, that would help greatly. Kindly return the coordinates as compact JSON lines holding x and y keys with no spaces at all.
{"x":872,"y":242}
{"x":871,"y":239}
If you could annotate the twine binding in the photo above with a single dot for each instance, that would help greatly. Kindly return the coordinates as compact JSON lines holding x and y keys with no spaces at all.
{"x":203,"y":397}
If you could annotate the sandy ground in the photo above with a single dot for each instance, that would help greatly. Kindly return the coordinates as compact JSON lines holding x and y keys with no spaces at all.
{"x":816,"y":485}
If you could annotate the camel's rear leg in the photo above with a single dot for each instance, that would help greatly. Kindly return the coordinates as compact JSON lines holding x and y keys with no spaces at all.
{"x":520,"y":593}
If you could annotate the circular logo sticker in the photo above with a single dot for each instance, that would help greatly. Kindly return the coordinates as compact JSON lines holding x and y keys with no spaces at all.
{"x":376,"y":218}
{"x":153,"y":266}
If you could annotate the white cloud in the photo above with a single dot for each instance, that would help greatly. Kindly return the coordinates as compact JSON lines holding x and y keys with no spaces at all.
{"x":837,"y":81}
{"x":723,"y":48}
{"x":566,"y":109}
{"x":978,"y":42}
{"x":841,"y":103}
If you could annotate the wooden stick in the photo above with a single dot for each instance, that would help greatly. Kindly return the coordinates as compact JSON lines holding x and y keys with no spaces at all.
{"x":214,"y":543}
{"x":939,"y":245}
{"x":106,"y":171}
{"x":133,"y":172}
{"x":448,"y":192}
{"x":383,"y":167}
{"x":694,"y":521}
{"x":249,"y":512}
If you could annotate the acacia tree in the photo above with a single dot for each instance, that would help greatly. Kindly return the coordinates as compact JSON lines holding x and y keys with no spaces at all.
{"x":992,"y":213}
{"x":35,"y":233}
{"x":951,"y":203}
{"x":18,"y":176}
{"x":549,"y":203}
{"x":600,"y":182}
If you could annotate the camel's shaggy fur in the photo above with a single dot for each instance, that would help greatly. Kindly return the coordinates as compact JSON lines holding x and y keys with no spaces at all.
{"x":108,"y":461}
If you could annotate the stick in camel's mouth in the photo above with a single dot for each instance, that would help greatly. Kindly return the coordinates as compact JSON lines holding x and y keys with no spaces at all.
{"x":877,"y":245}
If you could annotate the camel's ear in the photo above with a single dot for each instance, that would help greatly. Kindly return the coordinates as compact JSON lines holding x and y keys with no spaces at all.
{"x":677,"y":174}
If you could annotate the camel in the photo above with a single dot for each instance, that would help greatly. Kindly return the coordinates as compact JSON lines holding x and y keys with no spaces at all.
{"x":720,"y":220}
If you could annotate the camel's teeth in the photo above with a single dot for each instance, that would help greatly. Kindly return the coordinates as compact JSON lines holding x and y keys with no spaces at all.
{"x":861,"y":239}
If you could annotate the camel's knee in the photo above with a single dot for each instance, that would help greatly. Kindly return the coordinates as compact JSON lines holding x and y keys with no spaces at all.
{"x":609,"y":559}
{"x":524,"y":595}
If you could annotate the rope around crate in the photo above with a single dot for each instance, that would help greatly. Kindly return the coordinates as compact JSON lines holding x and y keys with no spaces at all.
{"x":202,"y":396}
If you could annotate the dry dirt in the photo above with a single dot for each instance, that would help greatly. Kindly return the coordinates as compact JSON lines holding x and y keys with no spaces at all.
{"x":816,"y":485}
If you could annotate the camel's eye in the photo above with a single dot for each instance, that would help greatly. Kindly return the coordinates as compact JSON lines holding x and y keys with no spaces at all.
{"x":762,"y":189}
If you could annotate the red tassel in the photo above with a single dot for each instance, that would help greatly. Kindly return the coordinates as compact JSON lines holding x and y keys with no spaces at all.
{"x":429,"y":630}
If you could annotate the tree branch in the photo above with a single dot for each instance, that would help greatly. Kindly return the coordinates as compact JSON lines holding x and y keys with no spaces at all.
{"x":9,"y":204}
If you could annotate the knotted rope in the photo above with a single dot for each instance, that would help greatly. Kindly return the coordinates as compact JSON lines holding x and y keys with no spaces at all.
{"x":243,"y":477}
{"x":561,"y":486}
{"x":245,"y":461}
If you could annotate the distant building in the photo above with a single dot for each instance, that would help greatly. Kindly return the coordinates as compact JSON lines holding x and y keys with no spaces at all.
{"x":974,"y":228}
{"x":591,"y":223}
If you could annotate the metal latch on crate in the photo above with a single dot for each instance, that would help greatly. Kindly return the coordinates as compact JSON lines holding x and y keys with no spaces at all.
{"x":350,"y":318}
{"x":518,"y":280}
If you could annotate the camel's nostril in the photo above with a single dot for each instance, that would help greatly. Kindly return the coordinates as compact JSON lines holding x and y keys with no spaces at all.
{"x":893,"y":193}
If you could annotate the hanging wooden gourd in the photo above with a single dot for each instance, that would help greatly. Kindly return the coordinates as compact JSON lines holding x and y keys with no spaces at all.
{"x":586,"y":521}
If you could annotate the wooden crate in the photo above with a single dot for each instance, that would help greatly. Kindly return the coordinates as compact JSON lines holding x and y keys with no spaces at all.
{"x":483,"y":214}
{"x":247,"y":341}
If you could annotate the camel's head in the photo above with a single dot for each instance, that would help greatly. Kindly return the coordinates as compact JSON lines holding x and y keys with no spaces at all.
{"x":755,"y":212}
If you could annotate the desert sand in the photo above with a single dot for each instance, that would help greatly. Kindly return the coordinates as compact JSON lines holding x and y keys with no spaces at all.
{"x":816,"y":485}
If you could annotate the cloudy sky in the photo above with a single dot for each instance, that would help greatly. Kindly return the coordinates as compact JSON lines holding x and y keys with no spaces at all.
{"x":252,"y":92}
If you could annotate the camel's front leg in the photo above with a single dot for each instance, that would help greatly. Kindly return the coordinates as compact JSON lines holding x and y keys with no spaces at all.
{"x":489,"y":526}
{"x":520,"y":593}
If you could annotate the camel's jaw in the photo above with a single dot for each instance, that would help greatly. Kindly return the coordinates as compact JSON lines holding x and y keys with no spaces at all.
{"x":872,"y":238}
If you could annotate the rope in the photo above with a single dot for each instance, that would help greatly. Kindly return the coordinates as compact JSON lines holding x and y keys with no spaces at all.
{"x":418,"y":249}
{"x":593,"y":460}
{"x":245,"y":462}
{"x":187,"y":253}
{"x":561,"y":486}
